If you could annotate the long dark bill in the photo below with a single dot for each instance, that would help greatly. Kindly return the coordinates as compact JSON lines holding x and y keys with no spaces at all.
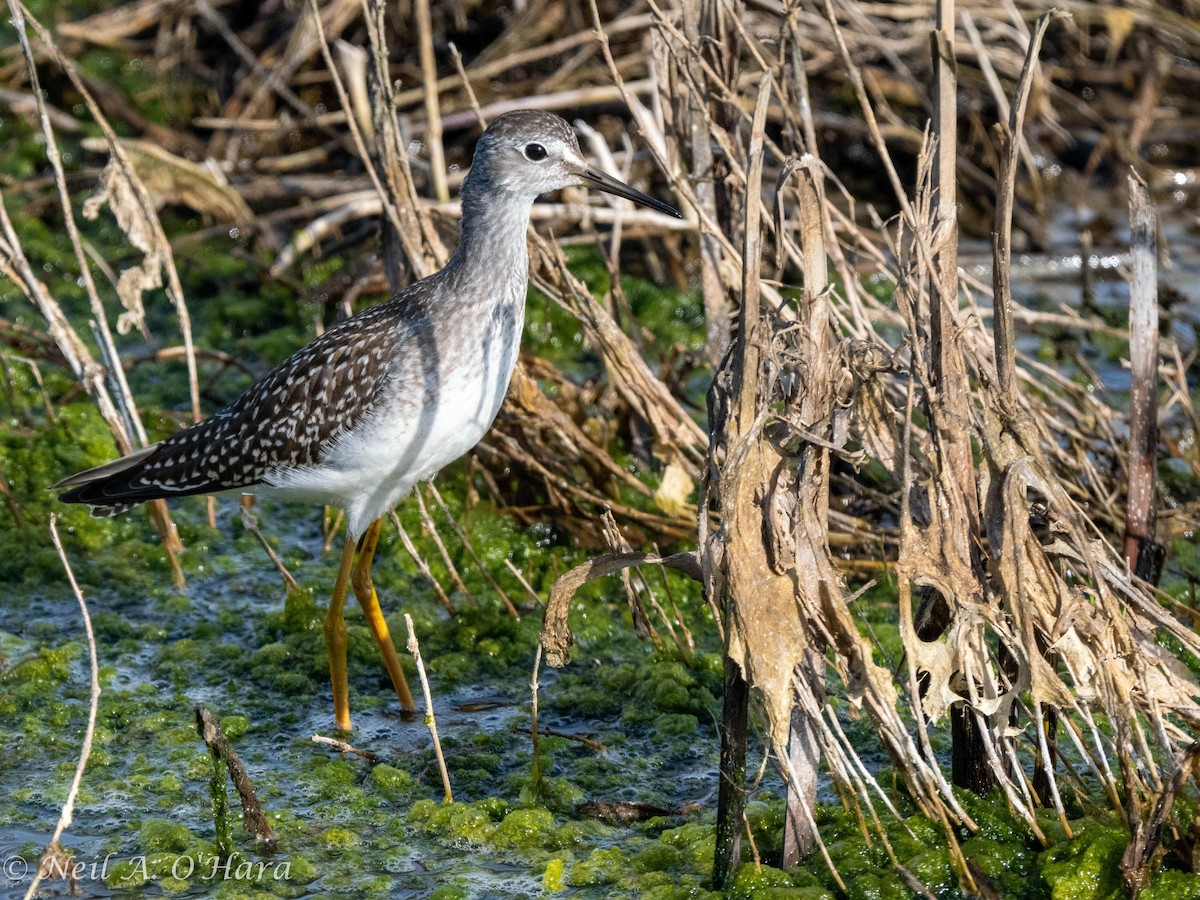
{"x":597,"y":179}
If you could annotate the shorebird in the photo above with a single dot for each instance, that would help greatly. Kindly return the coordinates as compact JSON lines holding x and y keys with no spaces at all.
{"x":386,"y":398}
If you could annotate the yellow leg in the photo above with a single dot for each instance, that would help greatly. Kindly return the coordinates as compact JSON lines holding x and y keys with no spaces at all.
{"x":335,"y":641}
{"x":364,"y":590}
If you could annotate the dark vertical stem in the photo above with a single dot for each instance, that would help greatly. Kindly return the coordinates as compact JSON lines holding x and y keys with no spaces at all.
{"x":731,"y":794}
{"x":968,"y":760}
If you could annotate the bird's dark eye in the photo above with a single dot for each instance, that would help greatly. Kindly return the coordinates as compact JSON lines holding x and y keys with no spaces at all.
{"x":535,"y":152}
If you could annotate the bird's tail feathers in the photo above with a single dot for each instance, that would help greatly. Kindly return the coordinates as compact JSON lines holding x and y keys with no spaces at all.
{"x":101,"y":473}
{"x":88,"y":486}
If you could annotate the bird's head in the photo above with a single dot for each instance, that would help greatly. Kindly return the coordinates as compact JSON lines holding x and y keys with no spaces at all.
{"x":530,"y":152}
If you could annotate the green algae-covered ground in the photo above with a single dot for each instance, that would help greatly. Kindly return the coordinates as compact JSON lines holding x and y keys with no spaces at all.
{"x":236,"y":642}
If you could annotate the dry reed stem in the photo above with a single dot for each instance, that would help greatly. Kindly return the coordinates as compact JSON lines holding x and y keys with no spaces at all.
{"x":433,"y":115}
{"x":535,"y":745}
{"x":431,"y":529}
{"x":480,"y":566}
{"x":1139,"y":549}
{"x":53,"y":849}
{"x":415,"y":649}
{"x":250,"y":523}
{"x":422,"y":565}
{"x":1002,"y":234}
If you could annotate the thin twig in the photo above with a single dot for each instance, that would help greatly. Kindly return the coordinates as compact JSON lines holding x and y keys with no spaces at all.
{"x":466,"y":83}
{"x":427,"y":521}
{"x":422,"y":565}
{"x":572,"y":736}
{"x":53,"y":849}
{"x":470,"y":548}
{"x":536,"y":751}
{"x":250,"y":523}
{"x":415,"y":649}
{"x":343,"y":747}
{"x":533,"y":595}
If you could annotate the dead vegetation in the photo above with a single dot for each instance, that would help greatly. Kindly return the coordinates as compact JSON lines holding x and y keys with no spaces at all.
{"x":1006,"y":482}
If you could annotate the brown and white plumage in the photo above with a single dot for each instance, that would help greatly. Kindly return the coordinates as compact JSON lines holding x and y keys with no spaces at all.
{"x":393,"y":394}
{"x":286,"y":420}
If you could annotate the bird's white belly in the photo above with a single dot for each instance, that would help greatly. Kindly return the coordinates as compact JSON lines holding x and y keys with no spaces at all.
{"x":408,"y":440}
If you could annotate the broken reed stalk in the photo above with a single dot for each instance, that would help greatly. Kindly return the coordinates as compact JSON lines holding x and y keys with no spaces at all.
{"x":803,"y":759}
{"x":415,"y":649}
{"x":536,"y":751}
{"x":47,"y":863}
{"x":253,"y":819}
{"x":949,"y":402}
{"x":749,"y":585}
{"x":1143,"y":553}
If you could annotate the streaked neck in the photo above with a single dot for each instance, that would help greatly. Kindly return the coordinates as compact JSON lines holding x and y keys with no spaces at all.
{"x":491,"y":244}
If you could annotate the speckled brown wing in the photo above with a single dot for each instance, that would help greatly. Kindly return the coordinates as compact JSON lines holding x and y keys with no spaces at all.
{"x":287,"y":420}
